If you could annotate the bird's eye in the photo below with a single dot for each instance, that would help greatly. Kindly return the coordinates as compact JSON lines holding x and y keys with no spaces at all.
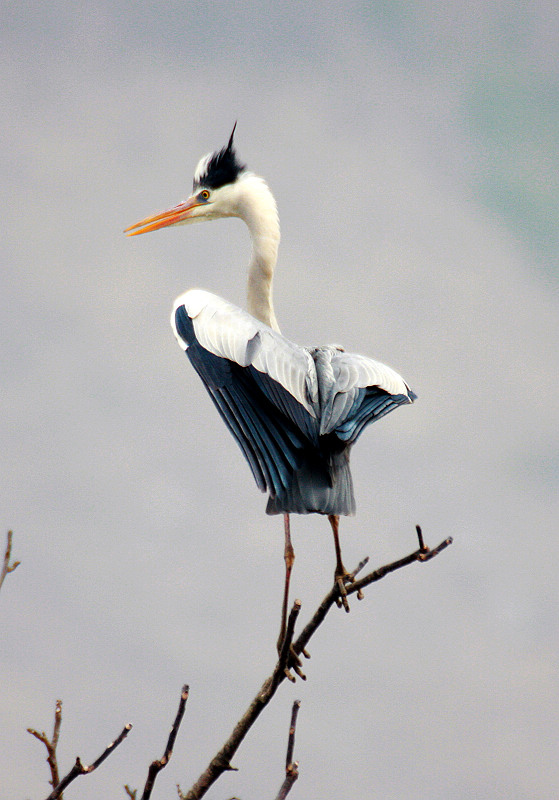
{"x":204,"y":195}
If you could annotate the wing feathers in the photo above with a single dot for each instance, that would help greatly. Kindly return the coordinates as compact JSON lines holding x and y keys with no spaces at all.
{"x":229,"y":332}
{"x":294,"y":412}
{"x":270,"y":440}
{"x":244,"y":442}
{"x":354,"y":391}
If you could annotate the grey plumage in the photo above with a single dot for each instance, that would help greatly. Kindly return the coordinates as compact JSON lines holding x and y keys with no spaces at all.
{"x":295,"y":412}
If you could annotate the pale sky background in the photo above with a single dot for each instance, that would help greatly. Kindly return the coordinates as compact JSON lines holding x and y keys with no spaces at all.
{"x":413,"y":150}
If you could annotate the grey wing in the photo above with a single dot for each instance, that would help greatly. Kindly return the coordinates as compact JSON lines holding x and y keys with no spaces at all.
{"x":263,"y":386}
{"x":355,"y":391}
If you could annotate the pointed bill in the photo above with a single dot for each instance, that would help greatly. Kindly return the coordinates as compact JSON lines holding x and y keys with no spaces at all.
{"x":179,"y":213}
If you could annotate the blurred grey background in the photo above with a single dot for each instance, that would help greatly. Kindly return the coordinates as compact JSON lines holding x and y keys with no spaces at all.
{"x":413,"y":151}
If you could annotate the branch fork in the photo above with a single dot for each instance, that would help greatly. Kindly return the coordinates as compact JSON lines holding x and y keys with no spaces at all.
{"x":6,"y":566}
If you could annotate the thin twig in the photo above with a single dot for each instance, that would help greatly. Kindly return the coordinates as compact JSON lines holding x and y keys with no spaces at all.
{"x":420,"y":555}
{"x":291,"y":737}
{"x":291,"y":776}
{"x":291,"y":767}
{"x":157,"y":765}
{"x":85,"y":769}
{"x":7,"y":567}
{"x":422,"y":545}
{"x":222,"y":760}
{"x":51,"y":743}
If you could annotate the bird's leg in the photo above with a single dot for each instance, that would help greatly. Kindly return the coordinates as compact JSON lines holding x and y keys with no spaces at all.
{"x":334,"y":521}
{"x":289,"y":557}
{"x":294,"y":662}
{"x":341,"y":575}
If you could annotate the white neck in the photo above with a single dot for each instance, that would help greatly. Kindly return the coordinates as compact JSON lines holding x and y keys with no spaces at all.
{"x":258,"y":209}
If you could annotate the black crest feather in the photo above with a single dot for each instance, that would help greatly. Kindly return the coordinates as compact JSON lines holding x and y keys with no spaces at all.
{"x":222,"y":168}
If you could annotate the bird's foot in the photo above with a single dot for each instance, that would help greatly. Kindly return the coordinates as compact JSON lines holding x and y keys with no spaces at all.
{"x":342,"y":579}
{"x":294,"y":663}
{"x":293,"y":660}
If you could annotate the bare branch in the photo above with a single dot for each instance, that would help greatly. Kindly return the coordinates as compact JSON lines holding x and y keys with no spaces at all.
{"x":422,"y":545}
{"x":420,"y":555}
{"x":291,"y":767}
{"x":222,"y":760}
{"x":291,"y":739}
{"x":292,"y":773}
{"x":7,"y":567}
{"x":85,"y":769}
{"x":50,"y":744}
{"x":58,"y":785}
{"x":156,"y":766}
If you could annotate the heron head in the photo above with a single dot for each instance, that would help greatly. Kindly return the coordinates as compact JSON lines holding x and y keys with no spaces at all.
{"x":213,"y":195}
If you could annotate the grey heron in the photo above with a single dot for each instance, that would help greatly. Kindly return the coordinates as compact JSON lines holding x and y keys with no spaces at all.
{"x":295,"y":411}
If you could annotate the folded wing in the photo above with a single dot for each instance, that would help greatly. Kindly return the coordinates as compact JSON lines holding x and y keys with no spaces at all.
{"x":355,"y":391}
{"x":263,"y":385}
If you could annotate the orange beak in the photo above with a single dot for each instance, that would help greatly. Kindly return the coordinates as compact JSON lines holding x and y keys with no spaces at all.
{"x":179,"y":213}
